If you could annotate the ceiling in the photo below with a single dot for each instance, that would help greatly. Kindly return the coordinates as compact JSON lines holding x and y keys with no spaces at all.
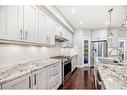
{"x":93,"y":17}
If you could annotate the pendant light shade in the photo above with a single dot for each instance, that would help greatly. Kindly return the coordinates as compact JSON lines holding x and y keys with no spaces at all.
{"x":124,"y":25}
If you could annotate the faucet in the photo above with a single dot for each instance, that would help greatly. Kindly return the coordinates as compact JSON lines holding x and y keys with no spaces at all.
{"x":120,"y":55}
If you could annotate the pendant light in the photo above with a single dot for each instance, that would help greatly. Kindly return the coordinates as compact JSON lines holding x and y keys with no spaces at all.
{"x":124,"y":25}
{"x":110,"y":35}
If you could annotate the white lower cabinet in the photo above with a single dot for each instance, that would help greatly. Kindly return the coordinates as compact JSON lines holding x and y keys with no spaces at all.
{"x":40,"y":79}
{"x":49,"y":77}
{"x":74,"y":62}
{"x":54,"y":76}
{"x":19,"y":83}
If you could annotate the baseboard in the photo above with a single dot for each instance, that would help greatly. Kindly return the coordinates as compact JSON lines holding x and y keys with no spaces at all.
{"x":74,"y":70}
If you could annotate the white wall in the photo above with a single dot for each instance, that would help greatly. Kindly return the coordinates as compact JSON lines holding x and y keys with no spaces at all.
{"x":15,"y":54}
{"x":79,"y":37}
{"x":99,"y":35}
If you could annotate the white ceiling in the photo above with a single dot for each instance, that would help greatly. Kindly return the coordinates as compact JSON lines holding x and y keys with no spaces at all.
{"x":92,"y":17}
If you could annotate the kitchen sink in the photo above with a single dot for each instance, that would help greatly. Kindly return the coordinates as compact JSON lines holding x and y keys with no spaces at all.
{"x":109,"y":61}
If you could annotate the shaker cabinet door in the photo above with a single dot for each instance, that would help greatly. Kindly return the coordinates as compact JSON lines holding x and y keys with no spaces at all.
{"x":19,"y":83}
{"x":30,"y":21}
{"x":2,"y":21}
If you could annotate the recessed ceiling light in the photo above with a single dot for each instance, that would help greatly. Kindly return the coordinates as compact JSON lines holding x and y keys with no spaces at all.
{"x":73,"y":10}
{"x":81,"y":22}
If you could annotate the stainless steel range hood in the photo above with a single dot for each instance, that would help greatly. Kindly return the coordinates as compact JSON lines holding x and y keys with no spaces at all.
{"x":60,"y":39}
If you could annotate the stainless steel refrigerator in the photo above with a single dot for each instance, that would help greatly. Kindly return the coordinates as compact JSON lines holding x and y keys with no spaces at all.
{"x":98,"y":49}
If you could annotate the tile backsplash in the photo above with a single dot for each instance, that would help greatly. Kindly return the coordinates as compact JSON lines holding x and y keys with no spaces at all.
{"x":18,"y":54}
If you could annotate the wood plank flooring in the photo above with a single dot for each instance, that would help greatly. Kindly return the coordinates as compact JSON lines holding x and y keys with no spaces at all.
{"x":82,"y":78}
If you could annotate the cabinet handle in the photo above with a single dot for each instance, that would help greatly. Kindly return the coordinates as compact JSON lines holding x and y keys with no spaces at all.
{"x":35,"y":80}
{"x":29,"y":82}
{"x":26,"y":35}
{"x":21,"y":34}
{"x":47,"y":39}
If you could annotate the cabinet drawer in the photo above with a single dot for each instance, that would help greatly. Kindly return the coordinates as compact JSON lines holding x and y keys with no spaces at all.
{"x":55,"y":82}
{"x":52,"y":75}
{"x":53,"y":69}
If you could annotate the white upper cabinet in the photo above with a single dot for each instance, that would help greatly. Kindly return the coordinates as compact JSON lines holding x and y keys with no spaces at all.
{"x":12,"y":31}
{"x":30,"y":21}
{"x":59,"y":30}
{"x":50,"y":32}
{"x":42,"y":28}
{"x":29,"y":24}
{"x":2,"y":21}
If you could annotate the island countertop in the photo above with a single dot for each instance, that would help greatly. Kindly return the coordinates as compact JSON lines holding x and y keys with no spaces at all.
{"x":113,"y":76}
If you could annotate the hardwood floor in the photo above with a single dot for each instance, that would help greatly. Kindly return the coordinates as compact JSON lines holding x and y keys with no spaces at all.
{"x":82,"y":78}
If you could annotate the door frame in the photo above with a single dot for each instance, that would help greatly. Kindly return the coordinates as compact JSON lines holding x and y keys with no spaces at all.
{"x":88,"y":64}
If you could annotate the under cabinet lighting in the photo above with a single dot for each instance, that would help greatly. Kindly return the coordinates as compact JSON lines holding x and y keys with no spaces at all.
{"x":73,"y":10}
{"x":81,"y":22}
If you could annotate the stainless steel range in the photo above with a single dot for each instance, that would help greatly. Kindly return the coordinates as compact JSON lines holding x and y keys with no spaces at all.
{"x":66,"y":67}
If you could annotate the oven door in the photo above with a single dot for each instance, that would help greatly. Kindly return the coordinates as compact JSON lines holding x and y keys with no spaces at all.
{"x":67,"y":70}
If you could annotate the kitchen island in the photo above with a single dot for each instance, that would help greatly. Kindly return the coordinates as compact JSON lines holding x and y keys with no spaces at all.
{"x":113,"y":75}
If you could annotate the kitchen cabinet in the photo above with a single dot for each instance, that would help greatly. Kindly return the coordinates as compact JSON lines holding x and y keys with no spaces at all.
{"x":59,"y":30}
{"x":74,"y":62}
{"x":50,"y":32}
{"x":40,"y":79}
{"x":10,"y":22}
{"x":69,"y":37}
{"x":54,"y":76}
{"x":19,"y":23}
{"x":49,"y":77}
{"x":2,"y":21}
{"x":28,"y":24}
{"x":12,"y":31}
{"x":46,"y":29}
{"x":30,"y":21}
{"x":23,"y":82}
{"x":42,"y":35}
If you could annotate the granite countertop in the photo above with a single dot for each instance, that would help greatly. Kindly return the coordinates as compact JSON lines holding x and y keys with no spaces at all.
{"x":114,"y":76}
{"x":12,"y":72}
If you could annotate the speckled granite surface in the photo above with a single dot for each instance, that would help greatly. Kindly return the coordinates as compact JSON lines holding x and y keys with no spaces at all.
{"x":12,"y":72}
{"x":114,"y":76}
